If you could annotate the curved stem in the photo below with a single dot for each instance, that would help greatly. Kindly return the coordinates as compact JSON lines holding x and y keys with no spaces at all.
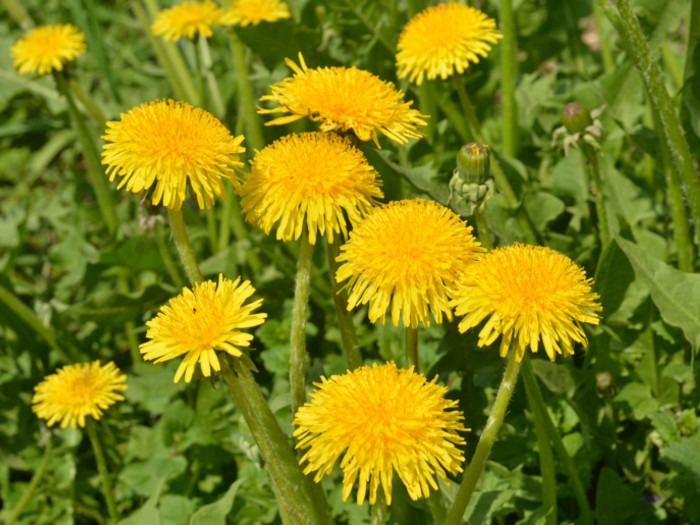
{"x":91,"y":427}
{"x":184,"y":248}
{"x":468,"y":108}
{"x":33,"y":483}
{"x":412,"y":349}
{"x":488,"y":437}
{"x":345,"y":324}
{"x":297,"y":339}
{"x":594,"y":167}
{"x":380,"y":511}
{"x":483,"y":228}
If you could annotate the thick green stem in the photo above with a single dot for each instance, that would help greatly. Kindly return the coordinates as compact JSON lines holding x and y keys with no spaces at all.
{"x":483,"y":228}
{"x":345,"y":324}
{"x":437,"y":506}
{"x":621,"y":15}
{"x":253,"y":125}
{"x":428,"y":106}
{"x":33,"y":484}
{"x":488,"y":437}
{"x":129,"y":327}
{"x":412,"y":349}
{"x":96,"y":174}
{"x":380,"y":511}
{"x":88,"y":103}
{"x":468,"y":109}
{"x":297,"y":339}
{"x":547,"y":471}
{"x":18,"y":13}
{"x":91,"y":427}
{"x":168,"y":261}
{"x":184,"y":248}
{"x":217,"y":102}
{"x":598,"y":192}
{"x":294,"y":489}
{"x":509,"y":68}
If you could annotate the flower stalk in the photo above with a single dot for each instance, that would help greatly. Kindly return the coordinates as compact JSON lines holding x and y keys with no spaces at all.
{"x":253,"y":126}
{"x":509,"y":69}
{"x":412,"y":349}
{"x":184,"y":248}
{"x":33,"y":483}
{"x":594,"y":168}
{"x":91,"y":427}
{"x":380,"y":511}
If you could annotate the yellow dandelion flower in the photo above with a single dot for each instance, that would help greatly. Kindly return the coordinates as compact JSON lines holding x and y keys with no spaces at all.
{"x":385,"y":420}
{"x":171,"y":143}
{"x":529,"y":293}
{"x":442,"y":39}
{"x":47,"y":48}
{"x":188,"y":19}
{"x":200,"y":322}
{"x":344,"y":99}
{"x":252,"y":12}
{"x":76,"y":391}
{"x":311,"y":178}
{"x":409,"y":254}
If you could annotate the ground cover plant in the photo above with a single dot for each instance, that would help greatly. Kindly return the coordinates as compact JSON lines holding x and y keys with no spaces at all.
{"x":349,"y":262}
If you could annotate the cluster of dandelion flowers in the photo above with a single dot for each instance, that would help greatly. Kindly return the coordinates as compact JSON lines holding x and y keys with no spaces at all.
{"x":252,"y":12}
{"x":47,"y":48}
{"x":168,"y":144}
{"x":385,"y":420}
{"x":408,"y":254}
{"x":200,"y":322}
{"x":188,"y":19}
{"x":442,"y":39}
{"x":313,"y":179}
{"x":77,"y":391}
{"x":529,"y":293}
{"x":345,"y":99}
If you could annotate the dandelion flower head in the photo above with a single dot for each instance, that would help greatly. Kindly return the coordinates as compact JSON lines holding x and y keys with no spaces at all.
{"x":345,"y":99}
{"x":47,"y":48}
{"x":252,"y":12}
{"x":443,"y":39}
{"x":170,"y":144}
{"x":188,"y":19}
{"x":312,"y":179}
{"x":384,"y":420}
{"x":529,"y":294}
{"x":408,"y":254}
{"x":200,"y":322}
{"x":77,"y":391}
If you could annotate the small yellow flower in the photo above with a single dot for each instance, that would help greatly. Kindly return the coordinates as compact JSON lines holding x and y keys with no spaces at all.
{"x":252,"y":12}
{"x":442,"y":39}
{"x":407,"y":254}
{"x":311,"y":178}
{"x":188,"y":19}
{"x":529,"y":293}
{"x":168,"y":144}
{"x":76,"y":391}
{"x":200,"y":322}
{"x":344,"y":99}
{"x":47,"y":48}
{"x":385,"y":420}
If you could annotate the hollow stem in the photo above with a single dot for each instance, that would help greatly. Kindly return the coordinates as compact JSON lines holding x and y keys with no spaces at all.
{"x":437,"y":506}
{"x":253,"y":127}
{"x":91,"y":427}
{"x":509,"y":69}
{"x":483,"y":228}
{"x":599,"y":193}
{"x":168,"y":261}
{"x":184,"y":248}
{"x":33,"y":484}
{"x":18,"y":12}
{"x":488,"y":437}
{"x":412,"y":349}
{"x":468,"y":109}
{"x":217,"y":102}
{"x":380,"y":511}
{"x":345,"y":324}
{"x":297,"y":339}
{"x":88,"y":103}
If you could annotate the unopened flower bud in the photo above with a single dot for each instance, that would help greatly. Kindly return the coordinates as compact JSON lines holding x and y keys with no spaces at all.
{"x":605,"y":385}
{"x":474,"y":163}
{"x":576,"y":118}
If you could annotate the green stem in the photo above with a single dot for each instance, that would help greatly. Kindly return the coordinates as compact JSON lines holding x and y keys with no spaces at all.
{"x":18,"y":13}
{"x":468,"y":109}
{"x":488,"y":437}
{"x":483,"y":228}
{"x":210,"y":216}
{"x":293,"y":487}
{"x":562,"y":454}
{"x":371,"y":25}
{"x":605,"y":52}
{"x":509,"y":68}
{"x":184,"y":248}
{"x":33,"y":484}
{"x":168,"y":261}
{"x":254,"y":133}
{"x":345,"y":324}
{"x":129,"y":327}
{"x":297,"y":339}
{"x":217,"y":102}
{"x":537,"y":409}
{"x":437,"y":506}
{"x":97,"y":176}
{"x":412,"y":349}
{"x":199,"y":76}
{"x":91,"y":427}
{"x":599,"y":192}
{"x":88,"y":103}
{"x":380,"y":511}
{"x":428,"y":106}
{"x":621,"y":15}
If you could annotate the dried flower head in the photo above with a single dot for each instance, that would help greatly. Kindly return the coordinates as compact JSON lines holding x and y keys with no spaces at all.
{"x":47,"y":48}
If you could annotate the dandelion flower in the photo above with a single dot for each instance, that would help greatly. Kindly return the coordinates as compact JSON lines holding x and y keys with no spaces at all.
{"x":529,"y":293}
{"x":442,"y":39}
{"x":76,"y":391}
{"x":47,"y":48}
{"x":252,"y":12}
{"x":408,"y":253}
{"x":187,"y":19}
{"x":200,"y":322}
{"x":386,"y":420}
{"x":311,"y":178}
{"x":344,"y":99}
{"x":168,"y":144}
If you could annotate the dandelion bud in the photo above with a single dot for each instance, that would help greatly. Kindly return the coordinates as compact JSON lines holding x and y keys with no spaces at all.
{"x":576,"y":118}
{"x":474,"y":163}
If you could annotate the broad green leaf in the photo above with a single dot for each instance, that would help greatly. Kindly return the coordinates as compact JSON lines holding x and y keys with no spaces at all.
{"x":613,"y":277}
{"x":215,"y":513}
{"x":638,"y":397}
{"x":542,"y":208}
{"x":616,"y":503}
{"x":675,"y":293}
{"x":684,"y":456}
{"x":148,"y":514}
